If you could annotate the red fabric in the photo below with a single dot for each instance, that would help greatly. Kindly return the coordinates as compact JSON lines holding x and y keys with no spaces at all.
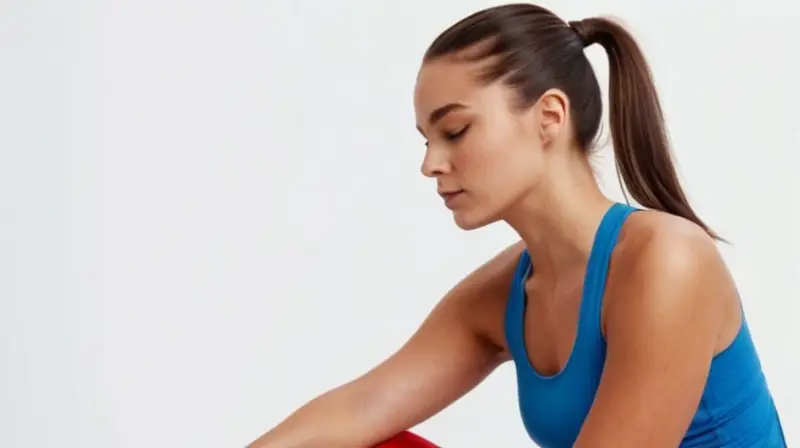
{"x":406,"y":439}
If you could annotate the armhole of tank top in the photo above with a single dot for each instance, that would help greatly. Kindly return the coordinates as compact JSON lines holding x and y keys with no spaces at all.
{"x":741,"y":332}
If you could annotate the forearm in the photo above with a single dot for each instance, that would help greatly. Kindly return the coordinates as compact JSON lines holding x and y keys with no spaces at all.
{"x":329,"y":421}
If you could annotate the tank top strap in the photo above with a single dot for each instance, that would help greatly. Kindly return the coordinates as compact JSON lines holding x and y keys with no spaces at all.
{"x":588,"y":333}
{"x":594,"y":283}
{"x":515,"y":308}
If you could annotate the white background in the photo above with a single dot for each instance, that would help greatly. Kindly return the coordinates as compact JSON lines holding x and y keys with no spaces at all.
{"x":212,"y":211}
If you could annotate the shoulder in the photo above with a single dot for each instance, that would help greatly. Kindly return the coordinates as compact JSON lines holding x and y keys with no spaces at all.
{"x":496,"y":272}
{"x":664,"y":245}
{"x":479,"y":299}
{"x":666,"y":267}
{"x":667,"y":310}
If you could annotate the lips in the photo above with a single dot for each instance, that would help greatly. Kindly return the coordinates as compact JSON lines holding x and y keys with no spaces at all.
{"x":450,"y":197}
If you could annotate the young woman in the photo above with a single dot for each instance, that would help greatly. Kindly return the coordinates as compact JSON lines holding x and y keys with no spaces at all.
{"x":624,"y":325}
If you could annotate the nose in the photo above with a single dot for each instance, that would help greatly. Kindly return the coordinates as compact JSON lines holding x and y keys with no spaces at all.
{"x":435,"y":163}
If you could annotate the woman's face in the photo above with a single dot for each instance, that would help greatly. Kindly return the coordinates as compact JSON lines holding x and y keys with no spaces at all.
{"x":484,"y":153}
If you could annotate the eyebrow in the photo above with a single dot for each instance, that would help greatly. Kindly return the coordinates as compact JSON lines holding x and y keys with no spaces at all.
{"x":442,"y":112}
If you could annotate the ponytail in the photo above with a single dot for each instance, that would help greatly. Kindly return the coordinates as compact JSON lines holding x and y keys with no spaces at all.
{"x":641,"y":145}
{"x":532,"y":50}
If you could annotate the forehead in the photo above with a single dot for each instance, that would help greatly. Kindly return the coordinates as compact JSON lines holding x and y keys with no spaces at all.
{"x":458,"y":80}
{"x":445,"y":81}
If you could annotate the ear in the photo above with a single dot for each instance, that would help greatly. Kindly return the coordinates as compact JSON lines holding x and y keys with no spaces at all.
{"x":552,"y":109}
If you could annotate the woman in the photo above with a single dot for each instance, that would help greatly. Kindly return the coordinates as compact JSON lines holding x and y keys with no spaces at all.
{"x":625,"y":326}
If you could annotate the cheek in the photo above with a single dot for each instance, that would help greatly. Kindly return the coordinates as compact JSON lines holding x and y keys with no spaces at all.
{"x":488,"y":151}
{"x":496,"y":177}
{"x":511,"y":174}
{"x":498,"y":162}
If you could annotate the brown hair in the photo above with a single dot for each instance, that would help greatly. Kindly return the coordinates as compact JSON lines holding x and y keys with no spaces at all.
{"x":533,"y":50}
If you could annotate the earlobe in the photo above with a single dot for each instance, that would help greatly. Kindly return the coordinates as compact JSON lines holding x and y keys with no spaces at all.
{"x":552,"y":110}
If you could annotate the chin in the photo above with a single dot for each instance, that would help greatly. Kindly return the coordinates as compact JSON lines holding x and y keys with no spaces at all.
{"x":471,"y":221}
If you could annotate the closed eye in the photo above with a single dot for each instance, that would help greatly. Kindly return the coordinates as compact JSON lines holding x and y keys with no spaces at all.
{"x":456,"y":135}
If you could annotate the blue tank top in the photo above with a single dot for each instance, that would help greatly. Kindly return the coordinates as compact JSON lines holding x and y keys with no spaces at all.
{"x":736,"y":408}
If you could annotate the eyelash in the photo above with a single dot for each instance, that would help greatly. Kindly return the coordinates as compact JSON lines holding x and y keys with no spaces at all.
{"x":455,"y":136}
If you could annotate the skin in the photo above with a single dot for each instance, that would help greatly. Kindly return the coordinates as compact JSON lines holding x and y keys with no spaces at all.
{"x":670,"y":304}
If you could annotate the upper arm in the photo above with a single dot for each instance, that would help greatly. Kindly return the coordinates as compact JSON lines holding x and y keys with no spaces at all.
{"x":448,"y":355}
{"x":661,"y":333}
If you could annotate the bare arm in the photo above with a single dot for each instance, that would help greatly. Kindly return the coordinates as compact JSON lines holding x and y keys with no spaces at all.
{"x":662,"y":330}
{"x":454,"y":349}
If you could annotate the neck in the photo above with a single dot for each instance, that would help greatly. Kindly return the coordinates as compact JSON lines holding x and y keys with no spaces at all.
{"x":558,"y":222}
